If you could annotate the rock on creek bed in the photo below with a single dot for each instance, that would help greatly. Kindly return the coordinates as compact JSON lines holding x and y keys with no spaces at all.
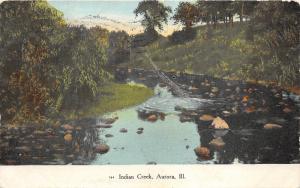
{"x":221,"y":122}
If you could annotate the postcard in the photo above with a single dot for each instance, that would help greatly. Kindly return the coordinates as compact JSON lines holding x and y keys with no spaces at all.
{"x":149,"y":93}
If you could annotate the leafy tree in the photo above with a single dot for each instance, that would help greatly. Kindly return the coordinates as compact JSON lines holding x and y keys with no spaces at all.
{"x":154,"y":14}
{"x":119,"y":51}
{"x":209,"y":11}
{"x":30,"y":32}
{"x":82,"y":66}
{"x":45,"y":64}
{"x":276,"y":37}
{"x":186,"y":13}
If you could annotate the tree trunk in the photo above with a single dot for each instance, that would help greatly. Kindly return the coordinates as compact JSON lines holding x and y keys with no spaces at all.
{"x":242,"y":13}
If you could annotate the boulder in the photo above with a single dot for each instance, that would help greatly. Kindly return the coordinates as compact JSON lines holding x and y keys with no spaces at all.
{"x":102,"y":148}
{"x":202,"y":152}
{"x":219,"y":123}
{"x":152,"y":118}
{"x":217,"y":143}
{"x":68,"y":137}
{"x":269,"y":126}
{"x":206,"y":117}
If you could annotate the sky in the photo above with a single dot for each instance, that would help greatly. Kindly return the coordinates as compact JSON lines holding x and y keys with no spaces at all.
{"x":121,"y":9}
{"x":121,"y":12}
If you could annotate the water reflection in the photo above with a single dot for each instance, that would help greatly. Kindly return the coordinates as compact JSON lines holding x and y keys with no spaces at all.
{"x":250,"y":145}
{"x":47,"y":145}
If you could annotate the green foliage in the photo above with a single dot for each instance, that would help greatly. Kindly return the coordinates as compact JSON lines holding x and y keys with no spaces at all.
{"x":29,"y":35}
{"x":276,"y":29}
{"x":45,"y":63}
{"x":119,"y":43}
{"x":263,"y":46}
{"x":186,"y":13}
{"x":82,"y":72}
{"x":154,"y":14}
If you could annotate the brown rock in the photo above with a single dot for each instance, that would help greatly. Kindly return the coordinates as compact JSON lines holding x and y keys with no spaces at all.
{"x":269,"y":126}
{"x":152,"y":118}
{"x":245,"y":99}
{"x":202,"y":152}
{"x":206,"y":117}
{"x":102,"y":148}
{"x":68,"y":137}
{"x":219,"y":123}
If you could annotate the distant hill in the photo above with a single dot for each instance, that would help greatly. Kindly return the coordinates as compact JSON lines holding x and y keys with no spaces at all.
{"x":132,"y":28}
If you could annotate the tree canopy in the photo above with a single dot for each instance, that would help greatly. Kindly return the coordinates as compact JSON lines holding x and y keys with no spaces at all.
{"x":43,"y":60}
{"x":154,"y":14}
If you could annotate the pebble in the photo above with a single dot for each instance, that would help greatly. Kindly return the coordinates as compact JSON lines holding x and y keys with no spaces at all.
{"x":123,"y":130}
{"x":109,"y":135}
{"x":269,"y":126}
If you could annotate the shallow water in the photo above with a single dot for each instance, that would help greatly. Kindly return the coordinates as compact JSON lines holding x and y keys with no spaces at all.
{"x":170,"y":141}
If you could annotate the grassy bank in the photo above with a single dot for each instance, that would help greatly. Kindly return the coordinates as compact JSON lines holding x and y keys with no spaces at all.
{"x":222,"y":52}
{"x":218,"y":56}
{"x":114,"y":97}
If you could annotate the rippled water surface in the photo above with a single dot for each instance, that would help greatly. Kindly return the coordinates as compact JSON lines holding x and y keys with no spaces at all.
{"x":176,"y":135}
{"x":170,"y":141}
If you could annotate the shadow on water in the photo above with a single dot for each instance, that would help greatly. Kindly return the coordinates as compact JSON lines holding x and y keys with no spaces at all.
{"x":166,"y":129}
{"x":62,"y":145}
